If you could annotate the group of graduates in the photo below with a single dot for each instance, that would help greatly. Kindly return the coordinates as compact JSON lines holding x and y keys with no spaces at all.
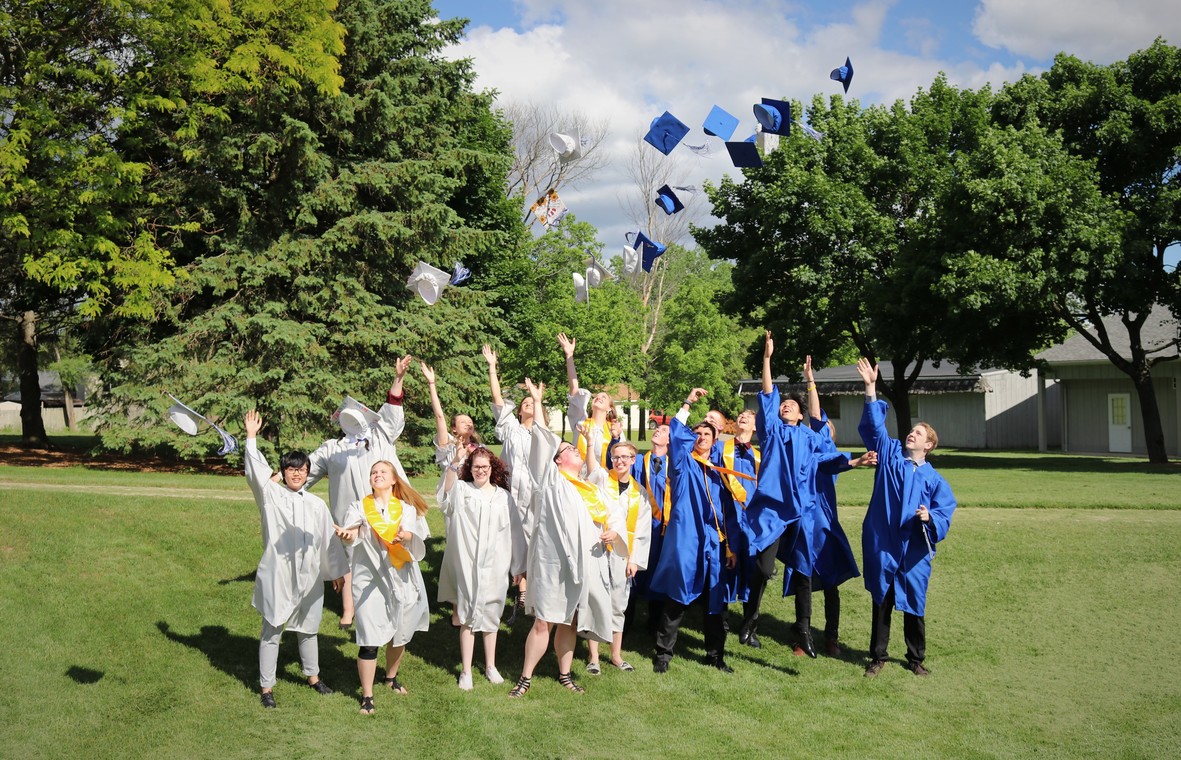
{"x":585,"y":530}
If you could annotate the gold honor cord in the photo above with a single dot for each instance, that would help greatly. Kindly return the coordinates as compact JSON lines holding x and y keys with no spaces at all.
{"x":734,"y":487}
{"x":723,"y":471}
{"x":634,"y":501}
{"x":387,"y":529}
{"x":657,"y":512}
{"x":591,"y":497}
{"x":583,"y":443}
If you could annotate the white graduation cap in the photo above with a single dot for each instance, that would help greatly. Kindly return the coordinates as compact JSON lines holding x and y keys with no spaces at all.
{"x":580,"y":292}
{"x":631,"y":260}
{"x":355,"y":419}
{"x":568,"y":147}
{"x":189,"y":420}
{"x":428,"y":282}
{"x":596,"y":275}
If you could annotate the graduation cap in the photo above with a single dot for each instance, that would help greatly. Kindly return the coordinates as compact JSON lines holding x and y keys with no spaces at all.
{"x":189,"y":420}
{"x":774,"y":116}
{"x":461,"y":274}
{"x":631,"y":260}
{"x":668,"y":200}
{"x":596,"y":274}
{"x":649,"y":250}
{"x":809,"y":131}
{"x":844,"y":74}
{"x":428,"y":282}
{"x":665,"y":132}
{"x":568,"y":147}
{"x":580,"y":292}
{"x":720,"y":124}
{"x":745,"y":154}
{"x":355,"y":419}
{"x":550,"y":209}
{"x":705,"y":150}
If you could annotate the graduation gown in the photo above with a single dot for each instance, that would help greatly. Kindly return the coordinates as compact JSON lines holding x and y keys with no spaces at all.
{"x":894,"y":552}
{"x":651,"y":474}
{"x":515,"y":455}
{"x":298,"y":550}
{"x":692,"y":554}
{"x":485,"y":545}
{"x":346,"y":464}
{"x":631,"y":518}
{"x":567,"y":565}
{"x":731,"y":455}
{"x":390,"y":603}
{"x":835,"y":562}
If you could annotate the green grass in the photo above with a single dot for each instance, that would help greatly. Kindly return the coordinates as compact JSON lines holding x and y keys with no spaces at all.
{"x":128,"y":633}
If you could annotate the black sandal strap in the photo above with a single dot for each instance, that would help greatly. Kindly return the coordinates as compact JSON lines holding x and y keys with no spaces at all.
{"x":522,"y":686}
{"x":567,"y":680}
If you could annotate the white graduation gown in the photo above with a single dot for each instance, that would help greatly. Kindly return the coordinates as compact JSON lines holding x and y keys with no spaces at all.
{"x":347,"y":464}
{"x":618,"y":504}
{"x":485,"y":544}
{"x":390,"y":603}
{"x":568,"y":572}
{"x":298,"y":550}
{"x":517,"y":441}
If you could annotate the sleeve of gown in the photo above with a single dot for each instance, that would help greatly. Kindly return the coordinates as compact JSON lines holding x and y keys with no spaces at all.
{"x":872,"y":427}
{"x":680,"y":444}
{"x":520,"y":547}
{"x":334,"y":563}
{"x":416,"y":524}
{"x":576,"y":407}
{"x":258,"y":472}
{"x":541,"y":454}
{"x":941,"y":508}
{"x":354,"y":516}
{"x":506,"y":421}
{"x":391,"y":421}
{"x":642,"y":541}
{"x":318,"y":464}
{"x":767,"y":422}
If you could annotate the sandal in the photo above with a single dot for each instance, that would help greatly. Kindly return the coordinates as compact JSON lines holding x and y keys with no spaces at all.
{"x":623,"y":665}
{"x":522,"y":686}
{"x":568,"y":681}
{"x":392,"y":682}
{"x":593,"y":669}
{"x":367,"y":706}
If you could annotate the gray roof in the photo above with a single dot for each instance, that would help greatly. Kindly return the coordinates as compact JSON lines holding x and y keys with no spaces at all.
{"x":844,"y":380}
{"x":1159,"y":335}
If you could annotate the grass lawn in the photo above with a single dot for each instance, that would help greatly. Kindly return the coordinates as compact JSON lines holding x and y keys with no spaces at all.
{"x":128,"y":633}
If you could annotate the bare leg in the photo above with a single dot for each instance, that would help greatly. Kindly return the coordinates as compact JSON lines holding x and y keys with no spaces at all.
{"x":393,"y":661}
{"x":467,"y":643}
{"x":592,"y":647}
{"x":616,"y":648}
{"x":346,"y":600}
{"x":564,"y":639}
{"x":535,"y":645}
{"x":366,"y":671}
{"x":490,"y":650}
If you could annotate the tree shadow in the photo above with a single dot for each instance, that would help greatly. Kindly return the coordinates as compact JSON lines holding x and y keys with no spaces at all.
{"x":83,"y":675}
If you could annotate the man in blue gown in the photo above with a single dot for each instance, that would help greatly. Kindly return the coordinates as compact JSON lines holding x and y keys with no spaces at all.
{"x":909,"y":513}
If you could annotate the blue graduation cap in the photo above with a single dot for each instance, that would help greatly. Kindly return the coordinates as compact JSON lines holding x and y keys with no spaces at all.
{"x":649,"y":250}
{"x":666,"y":132}
{"x":744,"y":154}
{"x":774,"y":116}
{"x":844,"y":74}
{"x":668,"y":200}
{"x":720,"y":124}
{"x":461,"y":274}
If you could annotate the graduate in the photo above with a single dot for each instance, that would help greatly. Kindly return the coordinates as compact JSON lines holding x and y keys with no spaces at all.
{"x":346,"y":461}
{"x":739,"y":454}
{"x":299,"y":553}
{"x":451,"y":446}
{"x":696,"y":561}
{"x":568,"y":573}
{"x":785,"y":491}
{"x":832,"y":560}
{"x":386,"y":530}
{"x":651,"y":475}
{"x":602,"y":411}
{"x":485,"y":543}
{"x":628,"y":510}
{"x":909,"y":513}
{"x":514,"y":429}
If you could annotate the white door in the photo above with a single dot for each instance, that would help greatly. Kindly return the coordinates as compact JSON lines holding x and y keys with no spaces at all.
{"x":1119,"y":422}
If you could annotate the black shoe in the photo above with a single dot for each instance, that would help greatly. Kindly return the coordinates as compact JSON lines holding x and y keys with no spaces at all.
{"x":660,"y":666}
{"x":874,"y":668}
{"x":268,"y":699}
{"x":747,"y":636}
{"x":918,"y":669}
{"x":805,"y":644}
{"x":716,"y":661}
{"x":321,"y":688}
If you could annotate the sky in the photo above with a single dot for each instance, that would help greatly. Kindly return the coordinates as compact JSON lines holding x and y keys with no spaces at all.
{"x":627,"y":61}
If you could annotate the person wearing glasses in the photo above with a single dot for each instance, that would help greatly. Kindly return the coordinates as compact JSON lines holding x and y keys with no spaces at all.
{"x":568,"y":573}
{"x":485,"y":543}
{"x":628,"y":508}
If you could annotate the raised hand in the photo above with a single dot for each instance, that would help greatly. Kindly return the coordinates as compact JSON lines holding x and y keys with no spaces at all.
{"x":253,"y":422}
{"x":489,"y":355}
{"x":427,"y":372}
{"x":567,"y":344}
{"x":402,"y":366}
{"x":868,"y":459}
{"x":868,"y":372}
{"x":808,"y":375}
{"x":535,"y":391}
{"x":768,"y":345}
{"x":696,"y":395}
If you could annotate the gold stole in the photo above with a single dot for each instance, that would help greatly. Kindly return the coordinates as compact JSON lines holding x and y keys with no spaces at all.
{"x":723,"y":471}
{"x":634,"y":501}
{"x":387,"y":530}
{"x":733,"y":486}
{"x":583,"y":443}
{"x":591,"y":498}
{"x":658,"y":513}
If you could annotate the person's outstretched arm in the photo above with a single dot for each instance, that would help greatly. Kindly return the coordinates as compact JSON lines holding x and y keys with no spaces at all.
{"x":768,"y":349}
{"x":441,"y":433}
{"x":493,"y":380}
{"x":813,"y":394}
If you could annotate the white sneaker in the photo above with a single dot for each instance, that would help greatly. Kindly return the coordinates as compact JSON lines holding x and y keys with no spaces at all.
{"x":465,"y":681}
{"x":493,"y":675}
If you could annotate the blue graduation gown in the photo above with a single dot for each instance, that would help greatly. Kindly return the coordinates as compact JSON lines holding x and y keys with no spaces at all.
{"x":653,"y":480}
{"x":834,"y":562}
{"x":893,"y":548}
{"x":692,"y":554}
{"x":738,"y":527}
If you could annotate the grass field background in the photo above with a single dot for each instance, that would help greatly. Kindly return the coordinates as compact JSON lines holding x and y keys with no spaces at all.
{"x":1052,"y":626}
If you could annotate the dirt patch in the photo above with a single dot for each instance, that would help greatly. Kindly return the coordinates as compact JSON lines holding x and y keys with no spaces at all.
{"x":13,"y":454}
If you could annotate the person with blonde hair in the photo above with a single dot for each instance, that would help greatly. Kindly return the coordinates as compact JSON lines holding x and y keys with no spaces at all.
{"x":386,"y":530}
{"x":602,"y":416}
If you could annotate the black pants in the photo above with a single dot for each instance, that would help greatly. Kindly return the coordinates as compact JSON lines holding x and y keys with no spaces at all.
{"x":670,"y":624}
{"x":764,"y":569}
{"x":802,"y":585}
{"x":914,"y":630}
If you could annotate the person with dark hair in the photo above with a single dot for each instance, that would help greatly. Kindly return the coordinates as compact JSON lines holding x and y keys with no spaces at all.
{"x":485,"y":544}
{"x":696,"y":561}
{"x":299,"y":553}
{"x":386,"y":531}
{"x":568,"y":574}
{"x":909,"y":514}
{"x":346,"y":461}
{"x":791,"y":454}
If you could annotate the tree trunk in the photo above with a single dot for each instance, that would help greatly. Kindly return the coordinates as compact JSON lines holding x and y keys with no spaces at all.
{"x":1154,"y":434}
{"x":32,"y":426}
{"x":67,"y":397}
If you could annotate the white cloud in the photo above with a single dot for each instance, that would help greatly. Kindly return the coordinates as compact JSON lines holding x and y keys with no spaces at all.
{"x":1099,"y":30}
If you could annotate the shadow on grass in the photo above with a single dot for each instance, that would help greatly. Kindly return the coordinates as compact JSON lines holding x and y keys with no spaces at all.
{"x":82,"y":675}
{"x":1037,"y":462}
{"x":244,"y":578}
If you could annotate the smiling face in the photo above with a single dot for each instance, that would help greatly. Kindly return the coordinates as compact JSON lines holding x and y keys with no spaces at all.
{"x":790,"y":412}
{"x":525,"y":410}
{"x":921,"y":440}
{"x":295,"y":477}
{"x":462,"y":426}
{"x":746,"y":421}
{"x":381,"y":477}
{"x":481,"y":470}
{"x":601,"y":402}
{"x":567,"y":458}
{"x":622,"y":458}
{"x":705,"y":439}
{"x":660,"y":435}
